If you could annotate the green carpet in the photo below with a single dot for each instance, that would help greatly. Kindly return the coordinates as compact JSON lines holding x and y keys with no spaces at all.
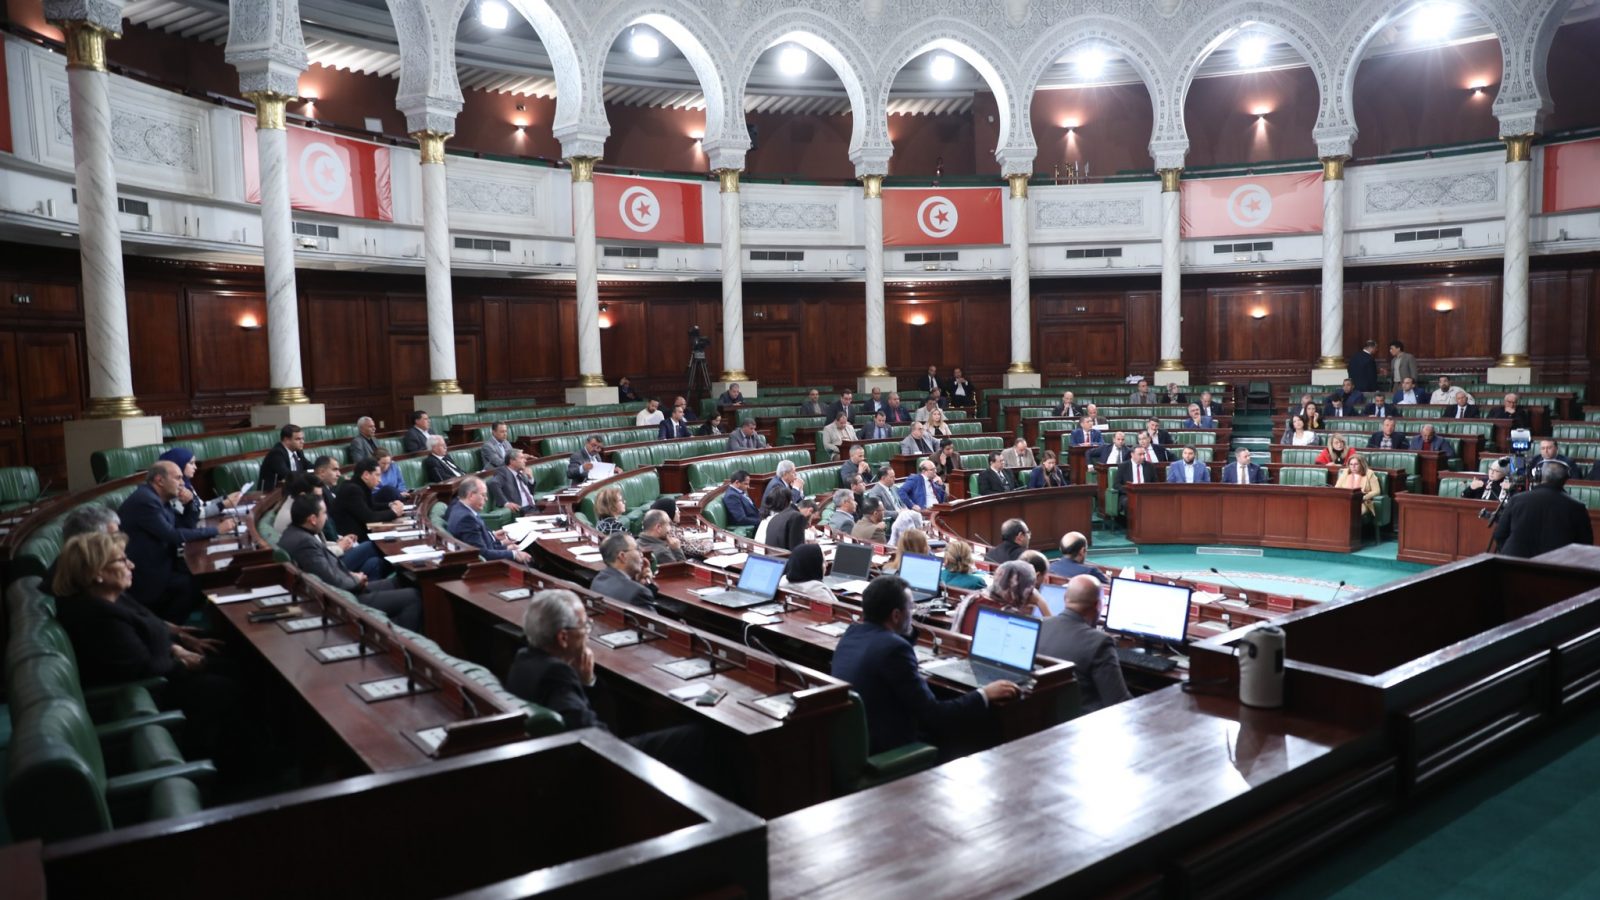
{"x":1525,"y":826}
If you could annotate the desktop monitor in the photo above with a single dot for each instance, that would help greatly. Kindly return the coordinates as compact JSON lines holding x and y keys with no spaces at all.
{"x":921,"y":572}
{"x":1145,"y":609}
{"x":761,"y":574}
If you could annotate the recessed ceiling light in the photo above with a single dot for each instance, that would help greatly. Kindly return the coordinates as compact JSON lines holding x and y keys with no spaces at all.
{"x":644,"y":45}
{"x":943,"y":68}
{"x":792,"y":61}
{"x":1434,"y":22}
{"x":1252,"y":51}
{"x":1091,"y":63}
{"x":493,"y":14}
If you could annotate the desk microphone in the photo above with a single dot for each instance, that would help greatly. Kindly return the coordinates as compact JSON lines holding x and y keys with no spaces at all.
{"x":751,"y":640}
{"x":1243,"y":594}
{"x":979,"y":538}
{"x":1336,"y":592}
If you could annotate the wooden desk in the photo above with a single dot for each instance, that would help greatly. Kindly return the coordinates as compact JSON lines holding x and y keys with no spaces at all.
{"x":1265,"y":515}
{"x":1049,"y":512}
{"x":1444,"y":529}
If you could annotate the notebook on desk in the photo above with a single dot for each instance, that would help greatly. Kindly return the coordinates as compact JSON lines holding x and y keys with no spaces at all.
{"x":1003,"y":648}
{"x":758,"y":584}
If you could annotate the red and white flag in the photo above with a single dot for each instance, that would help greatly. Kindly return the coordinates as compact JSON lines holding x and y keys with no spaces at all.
{"x":926,"y":217}
{"x":1260,"y":204}
{"x":1572,"y":176}
{"x":648,"y":209}
{"x":327,"y":174}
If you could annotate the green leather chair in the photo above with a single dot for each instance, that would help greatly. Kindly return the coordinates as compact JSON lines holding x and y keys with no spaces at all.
{"x":19,"y":487}
{"x":1305,"y":476}
{"x":170,"y":430}
{"x":854,"y":769}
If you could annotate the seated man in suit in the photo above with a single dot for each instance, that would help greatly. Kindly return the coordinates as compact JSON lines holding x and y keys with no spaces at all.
{"x":843,"y":519}
{"x":656,"y":540}
{"x":745,"y":437}
{"x":1508,"y":409}
{"x":736,"y":500}
{"x":688,"y":412}
{"x":303,"y":542}
{"x":787,"y":530}
{"x":1429,"y":440}
{"x":464,"y":520}
{"x":1114,"y":453}
{"x":437,"y":466}
{"x":856,"y":465}
{"x":416,"y":437}
{"x":1335,"y":408}
{"x":1350,"y":396}
{"x":285,"y":460}
{"x":583,"y":459}
{"x":731,"y":397}
{"x":1446,"y":394}
{"x":511,"y":488}
{"x":894,"y":413}
{"x":1189,"y":470}
{"x":1159,"y":436}
{"x":786,"y":476}
{"x":931,"y":381}
{"x":923,"y":490}
{"x":1153,"y":452}
{"x":1075,"y":636}
{"x":161,"y":578}
{"x":1197,"y":419}
{"x":625,"y":391}
{"x":1409,"y":393}
{"x":884,"y":492}
{"x":962,"y":394}
{"x":363,"y":445}
{"x":845,"y":404}
{"x":355,"y":507}
{"x":880,"y":429}
{"x":1141,"y":395}
{"x":1014,"y":537}
{"x":875,"y":403}
{"x":494,"y":450}
{"x":1067,"y":408}
{"x":651,"y":415}
{"x":1085,"y":435}
{"x":626,"y":577}
{"x":870,"y":526}
{"x":1242,"y":470}
{"x":1209,"y":408}
{"x":1172,"y":395}
{"x":837,"y":432}
{"x":1138,"y":469}
{"x":675,"y":426}
{"x":995,"y":479}
{"x":1379,"y":407}
{"x":812,"y":405}
{"x":1070,"y":564}
{"x":1461,"y":409}
{"x":875,"y":657}
{"x":1090,"y":417}
{"x":1548,"y":450}
{"x":917,"y":443}
{"x":1388,"y":438}
{"x":1019,"y":456}
{"x":925,"y":412}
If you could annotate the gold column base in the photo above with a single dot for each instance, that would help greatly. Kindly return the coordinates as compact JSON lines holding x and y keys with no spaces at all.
{"x":875,"y":372}
{"x":1021,"y":368}
{"x":113,"y":408}
{"x":1170,"y":365}
{"x":444,"y":386}
{"x":287,"y":396}
{"x":1513,"y":361}
{"x":1331,"y":362}
{"x":740,"y":375}
{"x":592,"y":380}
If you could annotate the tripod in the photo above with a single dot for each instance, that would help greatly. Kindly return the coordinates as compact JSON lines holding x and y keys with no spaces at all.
{"x":698,"y":375}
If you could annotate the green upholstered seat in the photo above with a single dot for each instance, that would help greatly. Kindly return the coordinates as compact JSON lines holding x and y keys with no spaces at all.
{"x":170,"y":429}
{"x":639,"y":490}
{"x":234,"y":475}
{"x":1299,"y":456}
{"x":1453,"y":487}
{"x":19,"y":486}
{"x":1393,"y":459}
{"x":411,"y":472}
{"x":854,"y":769}
{"x":1308,"y":476}
{"x":1589,"y":496}
{"x":259,"y":441}
{"x":710,"y":472}
{"x":119,"y":462}
{"x":1182,"y":436}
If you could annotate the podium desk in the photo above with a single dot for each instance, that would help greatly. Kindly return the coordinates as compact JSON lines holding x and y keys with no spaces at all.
{"x":1049,"y":512}
{"x":1444,"y":529}
{"x":1263,"y":515}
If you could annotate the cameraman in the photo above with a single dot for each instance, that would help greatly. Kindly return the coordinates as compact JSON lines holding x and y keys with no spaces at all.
{"x":1543,"y":518}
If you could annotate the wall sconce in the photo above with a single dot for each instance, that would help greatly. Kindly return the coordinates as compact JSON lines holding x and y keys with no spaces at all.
{"x":918,"y":320}
{"x":1443,"y":306}
{"x":605,"y":317}
{"x":1259,"y":312}
{"x":249,"y":322}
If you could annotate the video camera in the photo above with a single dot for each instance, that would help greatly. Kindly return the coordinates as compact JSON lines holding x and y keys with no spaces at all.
{"x":698,"y":343}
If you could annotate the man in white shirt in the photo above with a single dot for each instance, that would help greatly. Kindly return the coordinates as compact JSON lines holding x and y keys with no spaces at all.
{"x":1446,"y":395}
{"x":651,"y":415}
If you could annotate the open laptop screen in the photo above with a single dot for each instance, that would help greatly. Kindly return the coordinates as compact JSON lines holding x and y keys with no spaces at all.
{"x":1055,"y":597}
{"x":760,"y":575}
{"x":921,"y":572}
{"x":1005,"y":640}
{"x":852,"y":560}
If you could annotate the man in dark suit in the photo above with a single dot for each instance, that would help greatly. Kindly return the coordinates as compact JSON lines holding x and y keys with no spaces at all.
{"x":1462,"y":409}
{"x":1074,"y":637}
{"x":354,"y":507}
{"x":1510,"y":410}
{"x":812,"y":405}
{"x":879,"y":430}
{"x":1550,"y":451}
{"x":416,"y":437}
{"x":1158,"y":436}
{"x":1209,"y":407}
{"x":1351,"y":396}
{"x":583,"y":459}
{"x":1153,"y":452}
{"x":1085,"y":436}
{"x":1074,"y":550}
{"x":1429,"y":440}
{"x":1067,"y":408}
{"x":437,"y":466}
{"x":1336,"y":408}
{"x":894,"y":413}
{"x":285,"y":460}
{"x":1112,"y":454}
{"x":1139,"y":470}
{"x":962,"y":394}
{"x":510,"y":487}
{"x":1544,"y":518}
{"x":1363,"y":368}
{"x":675,"y":426}
{"x":995,"y":479}
{"x":464,"y":521}
{"x":855,"y":465}
{"x":1388,"y":437}
{"x":874,"y":403}
{"x":787,"y":530}
{"x":363,"y":445}
{"x":846,"y":404}
{"x":876,"y":658}
{"x":1242,"y":470}
{"x":626,"y":577}
{"x":1014,"y":536}
{"x":931,"y":382}
{"x":1379,"y":407}
{"x":161,"y":579}
{"x":736,"y":501}
{"x":303,"y":542}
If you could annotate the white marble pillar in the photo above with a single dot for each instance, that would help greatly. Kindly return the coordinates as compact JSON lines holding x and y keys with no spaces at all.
{"x":444,"y":395}
{"x":877,"y":372}
{"x":591,"y":380}
{"x":732,"y":290}
{"x":114,"y":418}
{"x":1513,"y":365}
{"x":1171,"y":365}
{"x":1331,"y":366}
{"x":1022,"y":373}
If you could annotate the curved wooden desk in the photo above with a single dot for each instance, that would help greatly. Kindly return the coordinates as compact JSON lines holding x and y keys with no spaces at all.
{"x":1263,"y":515}
{"x":1049,"y":512}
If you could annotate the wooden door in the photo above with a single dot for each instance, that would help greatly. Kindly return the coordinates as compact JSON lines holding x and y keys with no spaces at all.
{"x":50,"y":364}
{"x":1102,"y":349}
{"x":771,"y":358}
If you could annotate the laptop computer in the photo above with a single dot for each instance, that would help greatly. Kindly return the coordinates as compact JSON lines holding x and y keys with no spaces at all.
{"x":1003,"y":647}
{"x":852,"y":568}
{"x":922,"y":572}
{"x":1055,"y":597}
{"x":758,"y":584}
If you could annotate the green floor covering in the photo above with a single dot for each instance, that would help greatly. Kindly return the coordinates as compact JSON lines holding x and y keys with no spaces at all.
{"x":1526,"y":826}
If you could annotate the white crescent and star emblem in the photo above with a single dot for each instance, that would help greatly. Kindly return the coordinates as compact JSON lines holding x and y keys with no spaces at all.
{"x":1249,"y":206}
{"x":639,"y":208}
{"x":937,"y":217}
{"x":322,"y":172}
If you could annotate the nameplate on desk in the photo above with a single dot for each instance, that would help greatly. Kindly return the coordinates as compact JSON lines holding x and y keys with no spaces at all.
{"x":557,"y":535}
{"x":338,"y":652}
{"x":831,"y":629}
{"x":269,"y":590}
{"x":778,"y":706}
{"x":229,"y":547}
{"x":308,"y":623}
{"x":398,"y":535}
{"x":427,"y":556}
{"x":586,"y":556}
{"x":431,"y":738}
{"x":512,"y":594}
{"x":627,"y":637}
{"x":700,"y":695}
{"x":390,"y":688}
{"x":687,"y":668}
{"x":755,"y":618}
{"x":271,"y":600}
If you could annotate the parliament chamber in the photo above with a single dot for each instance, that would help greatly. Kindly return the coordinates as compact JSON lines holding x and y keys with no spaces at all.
{"x":799,"y":448}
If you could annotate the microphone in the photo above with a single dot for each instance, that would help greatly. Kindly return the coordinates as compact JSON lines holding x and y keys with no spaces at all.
{"x":1243,"y":594}
{"x":979,"y":538}
{"x":1336,"y":591}
{"x":751,"y":640}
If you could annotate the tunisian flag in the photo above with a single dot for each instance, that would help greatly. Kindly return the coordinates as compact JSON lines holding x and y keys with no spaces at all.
{"x":1572,"y":176}
{"x":1259,"y":204}
{"x":327,"y":174}
{"x":926,"y":217}
{"x":648,"y":209}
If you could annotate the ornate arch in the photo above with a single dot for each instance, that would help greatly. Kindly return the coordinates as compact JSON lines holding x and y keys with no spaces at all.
{"x":821,"y":36}
{"x":977,"y":49}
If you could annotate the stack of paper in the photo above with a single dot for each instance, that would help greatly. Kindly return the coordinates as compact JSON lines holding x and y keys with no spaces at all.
{"x":269,"y":590}
{"x":727,"y":560}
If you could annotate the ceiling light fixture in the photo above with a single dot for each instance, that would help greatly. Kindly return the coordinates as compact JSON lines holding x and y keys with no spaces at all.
{"x":1433,"y":22}
{"x":792,"y":61}
{"x":943,"y":68}
{"x":1091,"y":63}
{"x":1252,"y":51}
{"x":493,"y":14}
{"x":644,"y":45}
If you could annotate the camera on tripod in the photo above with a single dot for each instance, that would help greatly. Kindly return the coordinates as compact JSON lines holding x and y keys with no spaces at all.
{"x":698,"y":342}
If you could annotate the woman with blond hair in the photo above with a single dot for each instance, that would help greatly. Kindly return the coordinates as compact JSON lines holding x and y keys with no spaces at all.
{"x":959,"y":572}
{"x":608,"y":510}
{"x":1357,"y":475}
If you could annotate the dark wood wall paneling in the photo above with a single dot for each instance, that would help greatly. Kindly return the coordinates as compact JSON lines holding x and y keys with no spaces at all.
{"x":365,"y":349}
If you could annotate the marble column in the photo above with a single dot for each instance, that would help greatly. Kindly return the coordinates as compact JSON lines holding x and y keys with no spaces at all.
{"x":732,"y":289}
{"x":877,"y":372}
{"x":1171,"y":366}
{"x":286,"y":398}
{"x":1331,"y":366}
{"x":1021,"y":373}
{"x":591,"y":382}
{"x":444,"y":396}
{"x":1513,"y":365}
{"x":113,"y":416}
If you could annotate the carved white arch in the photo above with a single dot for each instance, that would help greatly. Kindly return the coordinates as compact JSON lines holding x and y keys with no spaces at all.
{"x":977,"y":49}
{"x":821,"y":36}
{"x":559,"y":46}
{"x":429,"y":93}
